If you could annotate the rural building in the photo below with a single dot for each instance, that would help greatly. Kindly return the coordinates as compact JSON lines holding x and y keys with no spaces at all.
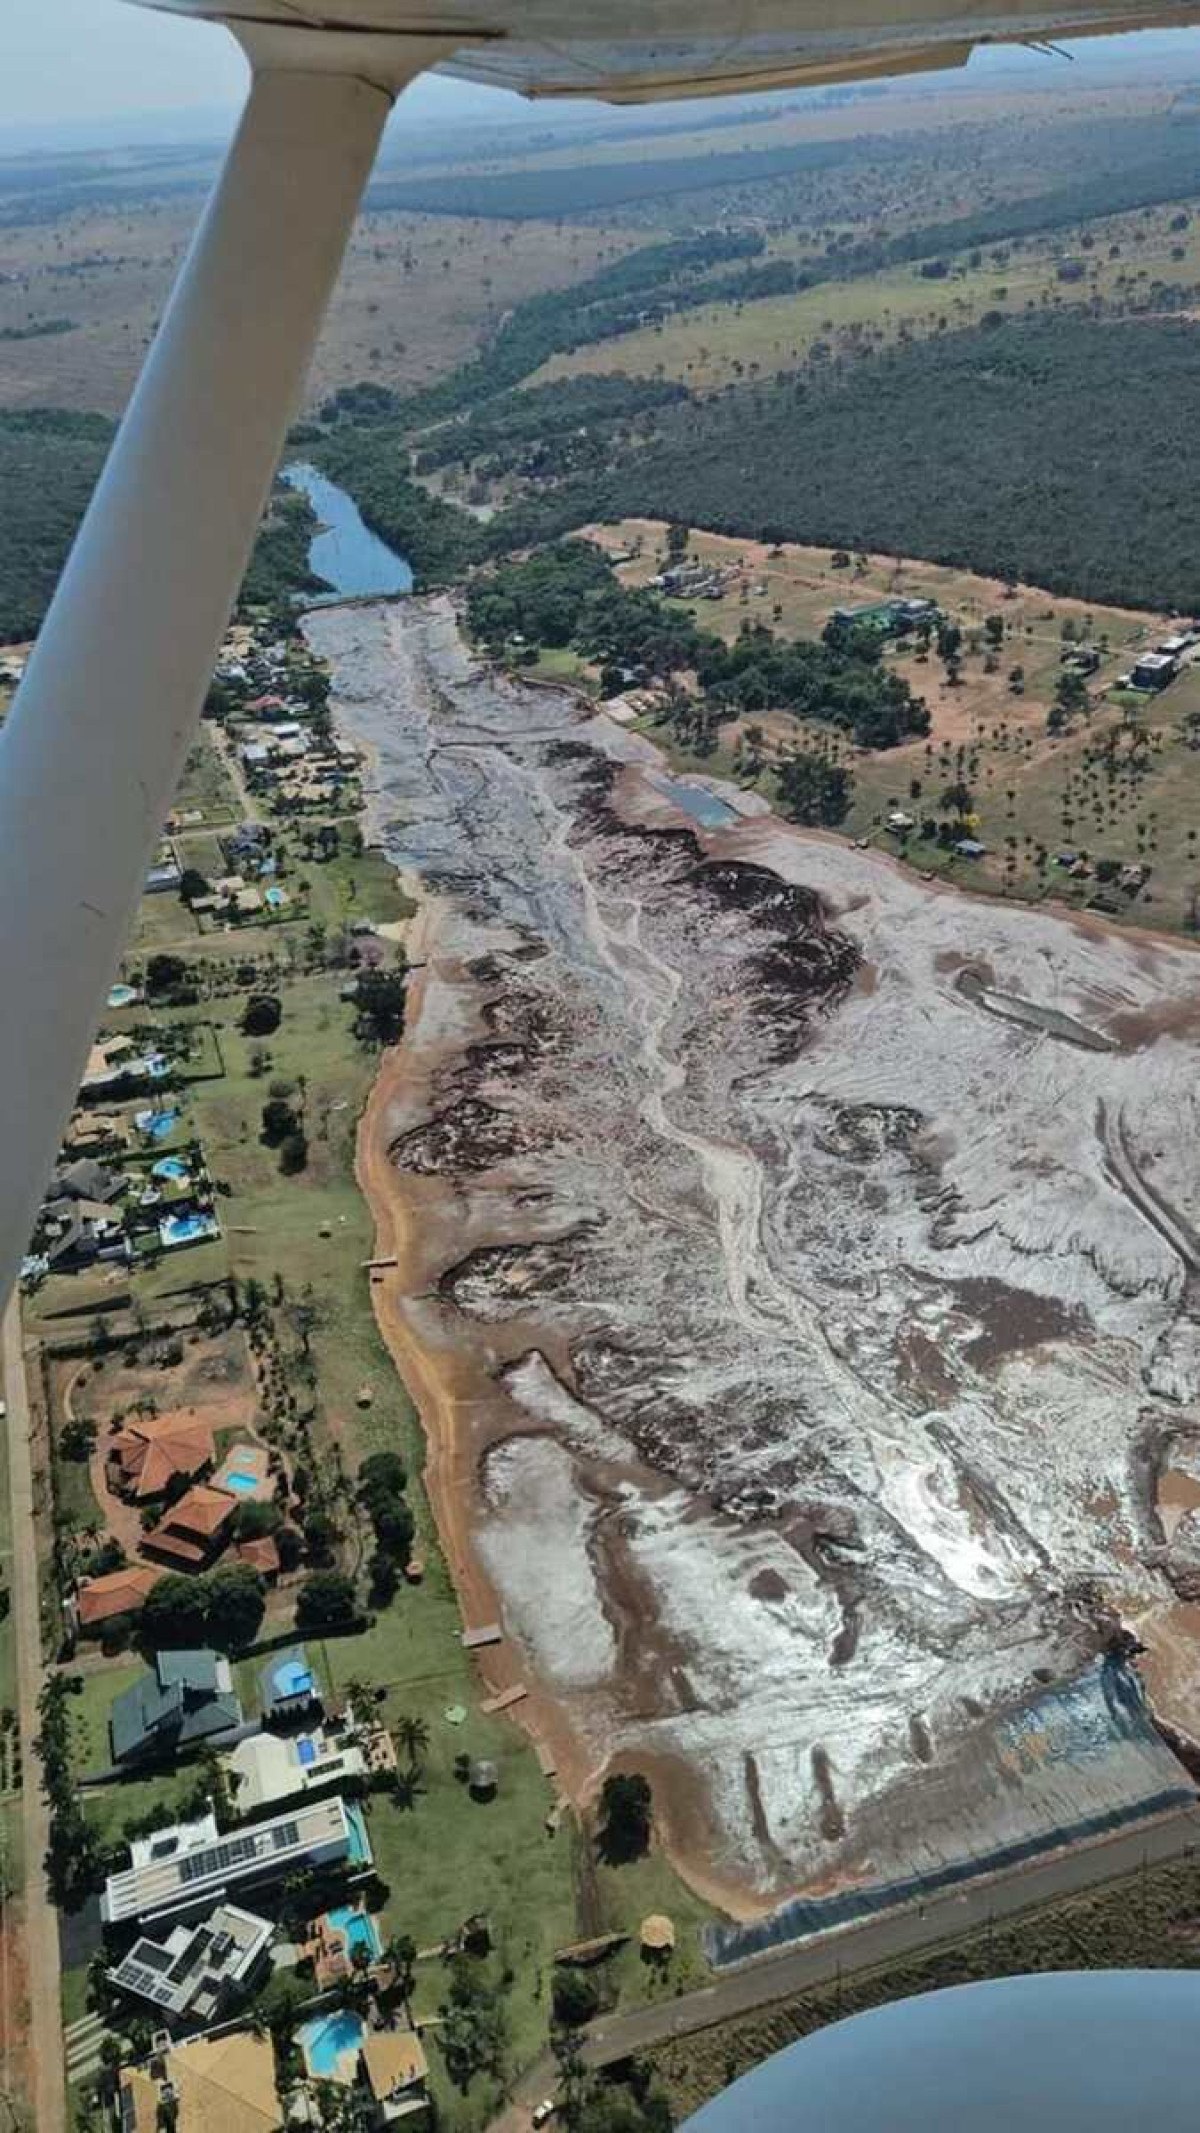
{"x":199,"y":1971}
{"x":100,"y":1602}
{"x":969,"y":848}
{"x":261,"y":1555}
{"x":1154,"y":670}
{"x":193,"y":1531}
{"x":164,"y":875}
{"x":188,"y":1696}
{"x":76,"y":1232}
{"x":181,"y":1870}
{"x":395,"y":2071}
{"x":86,"y":1179}
{"x":210,"y":2085}
{"x":145,"y":1457}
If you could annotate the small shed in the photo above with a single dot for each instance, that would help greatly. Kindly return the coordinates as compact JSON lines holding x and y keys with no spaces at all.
{"x":484,"y":1778}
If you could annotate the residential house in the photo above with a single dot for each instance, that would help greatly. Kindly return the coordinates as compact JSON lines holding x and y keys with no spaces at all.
{"x":200,"y":1971}
{"x":86,"y":1179}
{"x":183,"y":1870}
{"x":193,"y":1531}
{"x":208,"y":2085}
{"x":112,"y":1064}
{"x":188,"y":1697}
{"x":74,"y":1233}
{"x":268,"y":1767}
{"x":1154,"y":670}
{"x":99,"y":1603}
{"x":163,"y":876}
{"x":146,"y":1456}
{"x":395,"y":2071}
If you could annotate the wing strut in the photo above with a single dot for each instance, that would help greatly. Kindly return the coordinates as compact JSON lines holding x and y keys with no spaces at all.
{"x":94,"y":744}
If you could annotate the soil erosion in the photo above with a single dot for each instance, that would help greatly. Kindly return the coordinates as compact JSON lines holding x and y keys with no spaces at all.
{"x":799,"y":1276}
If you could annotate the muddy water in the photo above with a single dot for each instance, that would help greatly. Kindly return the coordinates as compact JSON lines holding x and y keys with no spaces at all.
{"x":793,"y":1347}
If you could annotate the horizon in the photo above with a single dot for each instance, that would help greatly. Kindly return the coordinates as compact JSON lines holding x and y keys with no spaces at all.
{"x":101,"y":75}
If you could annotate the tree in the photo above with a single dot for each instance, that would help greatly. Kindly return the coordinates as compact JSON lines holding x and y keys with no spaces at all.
{"x":293,"y":1152}
{"x":678,"y":537}
{"x":165,"y":972}
{"x":400,"y":1954}
{"x":574,"y":1997}
{"x":993,"y":630}
{"x":327,"y":1600}
{"x":175,"y":1614}
{"x":255,"y":1520}
{"x":278,"y":1121}
{"x":625,"y":1816}
{"x":813,"y":790}
{"x":235,"y":1604}
{"x":261,"y":1015}
{"x":959,"y":797}
{"x":413,"y":1736}
{"x":379,"y":1000}
{"x":192,"y":884}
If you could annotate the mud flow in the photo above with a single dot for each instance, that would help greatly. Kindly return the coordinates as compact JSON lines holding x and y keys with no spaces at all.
{"x":803,"y":1334}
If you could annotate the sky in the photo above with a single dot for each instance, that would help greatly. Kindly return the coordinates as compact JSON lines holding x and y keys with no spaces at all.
{"x":76,"y":73}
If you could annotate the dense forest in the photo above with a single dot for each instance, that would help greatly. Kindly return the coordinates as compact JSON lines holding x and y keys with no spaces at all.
{"x":49,"y":461}
{"x":1058,"y":449}
{"x":581,"y":188}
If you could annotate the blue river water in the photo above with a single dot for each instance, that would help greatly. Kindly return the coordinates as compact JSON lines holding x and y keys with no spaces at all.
{"x":352,"y":559}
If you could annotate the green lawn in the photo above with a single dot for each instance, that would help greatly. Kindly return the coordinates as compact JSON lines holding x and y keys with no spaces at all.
{"x":89,"y":1712}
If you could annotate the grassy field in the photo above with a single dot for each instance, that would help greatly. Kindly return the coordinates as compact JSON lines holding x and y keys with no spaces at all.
{"x":415,"y":295}
{"x":722,"y":344}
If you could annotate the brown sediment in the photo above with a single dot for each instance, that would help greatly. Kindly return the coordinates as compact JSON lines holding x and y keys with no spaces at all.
{"x":696,"y":1229}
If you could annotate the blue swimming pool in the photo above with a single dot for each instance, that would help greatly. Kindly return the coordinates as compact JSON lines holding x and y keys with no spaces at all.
{"x":306,"y":1749}
{"x":187,"y":1229}
{"x":360,"y":1930}
{"x":122,"y":995}
{"x":240,"y":1483}
{"x":293,"y":1679}
{"x":327,"y":2039}
{"x":275,"y":897}
{"x":156,"y":1124}
{"x":170,"y":1166}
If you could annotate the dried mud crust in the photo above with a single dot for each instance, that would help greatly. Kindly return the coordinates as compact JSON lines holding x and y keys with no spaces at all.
{"x":801,"y":1333}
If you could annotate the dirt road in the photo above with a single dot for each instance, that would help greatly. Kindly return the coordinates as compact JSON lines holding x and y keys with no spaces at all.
{"x":41,"y":1920}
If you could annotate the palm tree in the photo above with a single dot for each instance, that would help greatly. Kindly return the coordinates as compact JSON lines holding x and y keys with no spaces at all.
{"x":413,"y":1735}
{"x":401,"y":1954}
{"x":361,"y":1699}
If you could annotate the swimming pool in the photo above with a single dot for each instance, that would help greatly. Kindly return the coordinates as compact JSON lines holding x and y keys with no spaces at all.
{"x":239,"y":1482}
{"x":360,"y":1930}
{"x":306,"y":1750}
{"x":328,"y":2039}
{"x":170,"y":1166}
{"x":186,"y":1229}
{"x":274,"y":897}
{"x":292,"y":1679}
{"x":156,"y":1124}
{"x":121,"y":995}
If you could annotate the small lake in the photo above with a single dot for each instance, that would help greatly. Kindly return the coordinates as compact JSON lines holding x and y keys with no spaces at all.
{"x":697,"y":801}
{"x":352,"y":559}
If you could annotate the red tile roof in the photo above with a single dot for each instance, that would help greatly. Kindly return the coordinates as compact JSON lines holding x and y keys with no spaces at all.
{"x":119,"y":1592}
{"x":261,"y":1554}
{"x":150,"y":1453}
{"x":189,"y":1530}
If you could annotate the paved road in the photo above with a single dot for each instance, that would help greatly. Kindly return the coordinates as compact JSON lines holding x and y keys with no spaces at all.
{"x":900,"y":1932}
{"x":41,"y":1920}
